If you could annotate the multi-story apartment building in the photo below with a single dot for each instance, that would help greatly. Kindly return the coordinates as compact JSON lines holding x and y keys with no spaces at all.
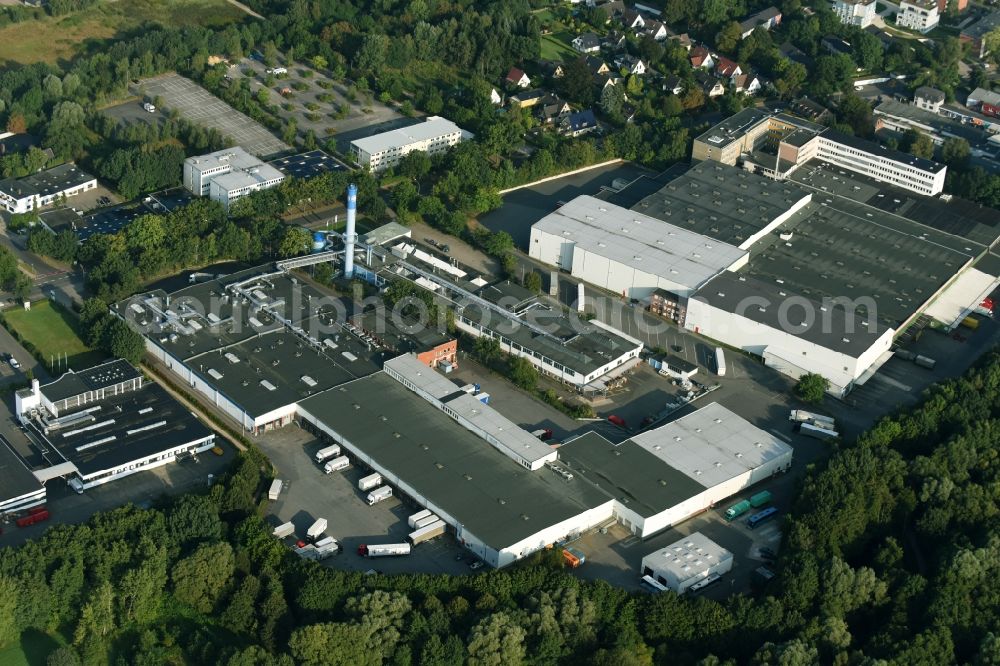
{"x":381,"y":151}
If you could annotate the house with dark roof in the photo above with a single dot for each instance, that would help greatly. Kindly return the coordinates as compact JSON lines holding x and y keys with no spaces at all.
{"x":614,"y":41}
{"x":551,"y":109}
{"x":596,"y":65}
{"x":673,"y":84}
{"x":766,"y":18}
{"x":579,"y":123}
{"x":631,"y":64}
{"x":656,"y":29}
{"x":836,"y":45}
{"x":588,"y":42}
{"x":929,"y":99}
{"x":811,"y":110}
{"x":710,"y":85}
{"x":792,"y":52}
{"x":975,"y":33}
{"x":747,"y":83}
{"x":551,"y":68}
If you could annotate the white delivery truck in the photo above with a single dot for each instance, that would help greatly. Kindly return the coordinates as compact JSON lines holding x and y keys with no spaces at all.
{"x":802,"y":416}
{"x":326,"y":547}
{"x":337,"y":464}
{"x":370,"y":481}
{"x":419,"y":515}
{"x":283,"y":530}
{"x":427,"y":532}
{"x":274,"y":490}
{"x":323,"y":455}
{"x":720,"y":362}
{"x":425,"y":521}
{"x":316,"y":530}
{"x":379,"y":494}
{"x":384,"y":550}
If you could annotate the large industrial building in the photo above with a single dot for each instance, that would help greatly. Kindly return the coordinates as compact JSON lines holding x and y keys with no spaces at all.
{"x":778,"y":144}
{"x":98,"y":425}
{"x":381,"y":151}
{"x":507,"y":494}
{"x":20,"y":489}
{"x":228,"y":174}
{"x":835,"y":265}
{"x":254,"y":343}
{"x":666,"y":475}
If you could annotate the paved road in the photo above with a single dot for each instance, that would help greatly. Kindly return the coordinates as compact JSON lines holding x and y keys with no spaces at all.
{"x":8,"y":375}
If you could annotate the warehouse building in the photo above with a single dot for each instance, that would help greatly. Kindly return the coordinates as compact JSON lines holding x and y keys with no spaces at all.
{"x":382,"y":151}
{"x":20,"y":489}
{"x":22,"y":195}
{"x":627,"y":252}
{"x":254,"y":343}
{"x":228,"y":174}
{"x":500,"y":509}
{"x":778,"y":144}
{"x":686,"y":562}
{"x":104,"y":423}
{"x":664,"y":476}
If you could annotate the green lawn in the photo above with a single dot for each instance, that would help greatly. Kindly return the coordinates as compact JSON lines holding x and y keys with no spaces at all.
{"x":557,"y":46}
{"x":13,"y":656}
{"x":55,"y":38}
{"x":53,"y":332}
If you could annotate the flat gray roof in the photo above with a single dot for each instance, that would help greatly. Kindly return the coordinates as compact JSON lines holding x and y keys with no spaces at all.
{"x":48,"y":182}
{"x":493,"y":497}
{"x":651,"y":243}
{"x":431,"y":128}
{"x":386,"y":233}
{"x":244,"y":350}
{"x":629,"y":473}
{"x":733,"y":128}
{"x":18,"y":480}
{"x":940,"y":123}
{"x":92,"y":379}
{"x":578,"y":345}
{"x":722,"y":202}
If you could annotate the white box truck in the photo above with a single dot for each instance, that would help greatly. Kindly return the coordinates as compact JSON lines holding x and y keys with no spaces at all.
{"x":337,"y":464}
{"x":419,"y":515}
{"x":274,"y":490}
{"x":283,"y":530}
{"x":384,"y":549}
{"x":802,"y":416}
{"x":327,"y":545}
{"x":720,"y":362}
{"x":379,"y":494}
{"x":325,"y":454}
{"x":427,"y":532}
{"x":316,"y":530}
{"x":370,"y":481}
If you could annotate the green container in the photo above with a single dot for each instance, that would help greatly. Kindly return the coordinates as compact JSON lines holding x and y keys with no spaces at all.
{"x":737,"y":510}
{"x":760,"y":499}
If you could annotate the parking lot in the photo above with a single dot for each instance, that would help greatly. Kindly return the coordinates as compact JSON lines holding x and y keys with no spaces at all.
{"x":309,"y":494}
{"x":325,"y":99}
{"x":197,"y":105}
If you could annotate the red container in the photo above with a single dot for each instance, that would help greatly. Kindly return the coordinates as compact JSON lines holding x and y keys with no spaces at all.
{"x":617,"y":420}
{"x":33,"y":518}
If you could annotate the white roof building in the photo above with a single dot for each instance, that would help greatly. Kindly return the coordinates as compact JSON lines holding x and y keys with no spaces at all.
{"x":686,"y":562}
{"x":381,"y":151}
{"x":228,"y":174}
{"x":627,"y":252}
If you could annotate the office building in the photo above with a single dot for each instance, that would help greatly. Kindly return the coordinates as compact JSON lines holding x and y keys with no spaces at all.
{"x":382,"y":151}
{"x":27,"y":194}
{"x":228,"y":174}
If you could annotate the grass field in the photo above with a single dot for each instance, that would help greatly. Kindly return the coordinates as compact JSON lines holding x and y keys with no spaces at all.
{"x":58,"y":38}
{"x":32,"y":650}
{"x":53,"y":332}
{"x":13,"y":656}
{"x":557,"y":46}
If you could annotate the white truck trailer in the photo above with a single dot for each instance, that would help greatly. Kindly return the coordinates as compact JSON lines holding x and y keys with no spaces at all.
{"x":316,"y":530}
{"x":419,"y":515}
{"x":325,"y":454}
{"x":284,"y":530}
{"x":427,"y":532}
{"x":425,"y":521}
{"x":720,"y":362}
{"x":275,"y":490}
{"x":384,"y":549}
{"x":370,"y":481}
{"x":337,"y":464}
{"x":817,"y":431}
{"x":379,"y":495}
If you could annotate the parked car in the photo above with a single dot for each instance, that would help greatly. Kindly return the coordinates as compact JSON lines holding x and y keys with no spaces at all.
{"x":767,"y":553}
{"x":13,"y":363}
{"x":476,"y":565}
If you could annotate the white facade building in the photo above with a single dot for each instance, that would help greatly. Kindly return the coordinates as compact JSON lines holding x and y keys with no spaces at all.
{"x":381,"y":151}
{"x":919,"y":15}
{"x":758,"y":318}
{"x":23,"y":195}
{"x":683,"y":563}
{"x":627,"y":252}
{"x":894,"y":167}
{"x":228,"y":174}
{"x":860,"y":13}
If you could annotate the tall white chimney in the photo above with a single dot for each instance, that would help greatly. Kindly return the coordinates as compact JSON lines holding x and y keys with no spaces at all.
{"x":349,"y":235}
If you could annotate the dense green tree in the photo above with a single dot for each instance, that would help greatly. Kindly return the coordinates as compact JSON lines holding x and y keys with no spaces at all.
{"x":199,"y":579}
{"x":812,"y":388}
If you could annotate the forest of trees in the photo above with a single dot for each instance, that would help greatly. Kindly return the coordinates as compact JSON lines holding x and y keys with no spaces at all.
{"x":891,"y":555}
